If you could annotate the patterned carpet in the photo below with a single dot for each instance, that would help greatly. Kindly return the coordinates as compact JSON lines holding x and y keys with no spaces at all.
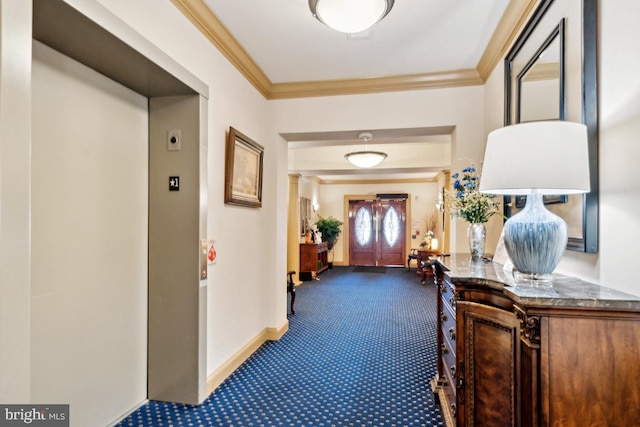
{"x":360,"y":351}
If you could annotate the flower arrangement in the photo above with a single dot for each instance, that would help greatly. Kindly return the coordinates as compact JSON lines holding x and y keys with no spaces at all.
{"x":466,"y":201}
{"x":426,"y":241}
{"x":430,"y":223}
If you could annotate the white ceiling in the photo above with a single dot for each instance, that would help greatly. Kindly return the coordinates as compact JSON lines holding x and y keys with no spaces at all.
{"x":418,"y":37}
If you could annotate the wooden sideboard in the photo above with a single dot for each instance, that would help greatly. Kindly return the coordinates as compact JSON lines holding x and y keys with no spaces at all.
{"x":313,"y":259}
{"x":521,"y":354}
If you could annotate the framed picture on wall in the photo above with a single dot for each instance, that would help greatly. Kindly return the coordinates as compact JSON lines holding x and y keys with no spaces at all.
{"x":305,"y":215}
{"x":243,"y":170}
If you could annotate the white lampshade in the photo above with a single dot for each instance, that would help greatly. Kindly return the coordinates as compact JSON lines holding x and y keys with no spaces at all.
{"x":365,"y":159}
{"x":548,"y":157}
{"x":536,"y":158}
{"x":350,"y":16}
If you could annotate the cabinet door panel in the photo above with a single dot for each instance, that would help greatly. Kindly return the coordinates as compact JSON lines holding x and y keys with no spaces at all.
{"x":591,"y":371}
{"x":489,"y":349}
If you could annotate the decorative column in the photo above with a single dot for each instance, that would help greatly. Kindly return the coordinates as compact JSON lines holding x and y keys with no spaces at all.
{"x":293,"y":224}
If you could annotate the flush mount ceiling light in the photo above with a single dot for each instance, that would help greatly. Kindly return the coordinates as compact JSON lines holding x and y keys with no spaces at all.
{"x":350,"y":16}
{"x":365,"y":158}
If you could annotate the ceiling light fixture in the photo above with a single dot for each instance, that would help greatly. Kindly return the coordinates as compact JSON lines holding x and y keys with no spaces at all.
{"x":366,"y":158}
{"x":350,"y":16}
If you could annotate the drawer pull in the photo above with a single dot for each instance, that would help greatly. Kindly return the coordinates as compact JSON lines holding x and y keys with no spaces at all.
{"x":452,"y":334}
{"x":443,"y":316}
{"x":453,"y":370}
{"x":444,"y":348}
{"x":454,"y":410}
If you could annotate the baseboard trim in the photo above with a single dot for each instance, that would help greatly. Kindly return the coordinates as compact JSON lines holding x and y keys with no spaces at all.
{"x":274,"y":334}
{"x":222,"y":373}
{"x":128,"y":413}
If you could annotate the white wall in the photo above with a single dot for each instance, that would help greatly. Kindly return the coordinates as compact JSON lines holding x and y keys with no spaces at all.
{"x":619,"y":90}
{"x":619,"y":149}
{"x":15,"y":200}
{"x":423,"y":197}
{"x":494,"y":119}
{"x":460,"y":107}
{"x":473,"y":110}
{"x":310,"y":188}
{"x":89,"y":240}
{"x":542,"y":100}
{"x":247,"y":287}
{"x":247,"y":296}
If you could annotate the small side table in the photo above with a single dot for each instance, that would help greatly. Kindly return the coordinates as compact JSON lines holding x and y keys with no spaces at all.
{"x":413,"y":255}
{"x":425,"y":269}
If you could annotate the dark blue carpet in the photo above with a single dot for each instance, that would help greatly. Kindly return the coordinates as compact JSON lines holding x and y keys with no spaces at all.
{"x":360,"y":351}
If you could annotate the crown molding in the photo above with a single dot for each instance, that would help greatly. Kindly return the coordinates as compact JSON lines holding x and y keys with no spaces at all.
{"x":513,"y":19}
{"x":214,"y":30}
{"x":543,"y":71}
{"x":442,"y":174}
{"x":376,"y":181}
{"x":311,"y":178}
{"x":455,"y":78}
{"x":207,"y":22}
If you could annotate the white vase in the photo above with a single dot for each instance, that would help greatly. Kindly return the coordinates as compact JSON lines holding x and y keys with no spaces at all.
{"x":477,"y":235}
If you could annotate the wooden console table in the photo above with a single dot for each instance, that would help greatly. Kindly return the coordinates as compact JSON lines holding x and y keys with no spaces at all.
{"x":313,"y":259}
{"x":522,"y":354}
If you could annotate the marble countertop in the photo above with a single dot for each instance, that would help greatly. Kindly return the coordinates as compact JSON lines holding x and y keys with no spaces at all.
{"x":563,"y":291}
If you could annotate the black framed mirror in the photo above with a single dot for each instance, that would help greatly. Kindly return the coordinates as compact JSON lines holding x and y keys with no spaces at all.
{"x":540,"y":84}
{"x":550,"y":74}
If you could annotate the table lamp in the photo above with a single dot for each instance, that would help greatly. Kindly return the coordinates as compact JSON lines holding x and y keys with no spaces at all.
{"x":536,"y":159}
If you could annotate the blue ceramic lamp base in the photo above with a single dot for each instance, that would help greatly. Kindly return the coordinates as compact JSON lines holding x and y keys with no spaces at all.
{"x":535,"y":240}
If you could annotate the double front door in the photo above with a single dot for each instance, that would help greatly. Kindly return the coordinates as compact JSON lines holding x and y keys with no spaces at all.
{"x":377,"y":232}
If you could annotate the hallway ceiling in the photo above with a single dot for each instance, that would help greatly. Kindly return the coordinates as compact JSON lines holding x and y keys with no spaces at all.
{"x":286,"y":53}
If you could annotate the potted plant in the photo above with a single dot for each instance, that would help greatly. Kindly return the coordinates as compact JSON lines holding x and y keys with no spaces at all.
{"x":330,"y":229}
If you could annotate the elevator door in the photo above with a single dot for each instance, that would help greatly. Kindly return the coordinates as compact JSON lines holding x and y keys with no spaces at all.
{"x":377,"y":235}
